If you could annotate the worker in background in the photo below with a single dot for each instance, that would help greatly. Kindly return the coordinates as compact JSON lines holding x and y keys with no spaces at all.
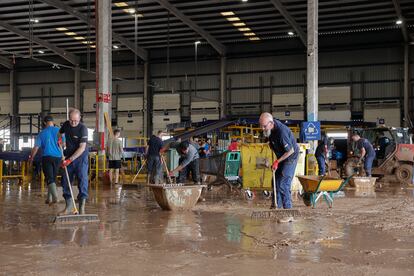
{"x":321,"y":154}
{"x":115,"y":153}
{"x":189,"y":162}
{"x":153,"y":154}
{"x":283,"y":144}
{"x":47,"y":140}
{"x":76,"y":160}
{"x":367,"y":152}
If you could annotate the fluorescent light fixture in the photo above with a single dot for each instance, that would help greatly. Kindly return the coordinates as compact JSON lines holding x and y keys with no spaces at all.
{"x":79,"y":38}
{"x":115,"y":46}
{"x":239,"y":24}
{"x":255,"y":38}
{"x":231,"y":19}
{"x":62,"y":29}
{"x":249,"y":34}
{"x":121,"y":4}
{"x":197,"y":42}
{"x":70,"y":33}
{"x":130,"y":10}
{"x":41,"y":52}
{"x":245,"y":0}
{"x":87,"y":42}
{"x":229,"y":13}
{"x":93,"y":46}
{"x":291,"y":33}
{"x":244,"y":29}
{"x":34,"y":20}
{"x":399,"y":22}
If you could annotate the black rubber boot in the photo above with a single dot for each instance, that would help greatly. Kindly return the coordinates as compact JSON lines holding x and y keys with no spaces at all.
{"x":52,"y":192}
{"x":68,"y":208}
{"x":82,"y":203}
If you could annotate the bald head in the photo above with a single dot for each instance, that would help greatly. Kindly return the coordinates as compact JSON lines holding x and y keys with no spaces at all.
{"x":266,"y":123}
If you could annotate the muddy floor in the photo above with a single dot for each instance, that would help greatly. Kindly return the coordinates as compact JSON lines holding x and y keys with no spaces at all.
{"x":365,"y":233}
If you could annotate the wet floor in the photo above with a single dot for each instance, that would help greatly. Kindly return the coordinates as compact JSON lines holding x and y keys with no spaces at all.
{"x":130,"y":218}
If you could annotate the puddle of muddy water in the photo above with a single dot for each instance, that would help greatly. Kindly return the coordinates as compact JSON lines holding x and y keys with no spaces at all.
{"x":130,"y":217}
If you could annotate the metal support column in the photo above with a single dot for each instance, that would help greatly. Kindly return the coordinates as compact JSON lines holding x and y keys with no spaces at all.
{"x":14,"y":140}
{"x":223,"y":87}
{"x":312,"y":63}
{"x":407,"y":120}
{"x":103,"y":67}
{"x":146,"y":102}
{"x":76,"y":86}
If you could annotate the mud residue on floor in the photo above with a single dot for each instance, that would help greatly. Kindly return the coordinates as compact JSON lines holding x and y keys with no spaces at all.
{"x":363,"y":234}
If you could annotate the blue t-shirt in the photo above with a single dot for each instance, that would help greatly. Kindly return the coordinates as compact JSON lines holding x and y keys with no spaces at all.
{"x":281,"y":140}
{"x":364,"y":143}
{"x":47,"y":140}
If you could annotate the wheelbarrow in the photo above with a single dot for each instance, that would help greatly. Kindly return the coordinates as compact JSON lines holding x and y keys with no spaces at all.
{"x":315,"y":187}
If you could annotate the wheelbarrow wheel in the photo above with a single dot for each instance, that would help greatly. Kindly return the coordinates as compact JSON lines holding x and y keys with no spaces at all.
{"x":307,"y":199}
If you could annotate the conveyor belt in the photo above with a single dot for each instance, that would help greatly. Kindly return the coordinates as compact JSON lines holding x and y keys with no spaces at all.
{"x":204,"y":129}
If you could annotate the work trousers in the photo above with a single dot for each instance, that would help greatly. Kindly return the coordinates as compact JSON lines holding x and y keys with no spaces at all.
{"x":154,"y":167}
{"x":78,"y":167}
{"x":194,"y":168}
{"x":50,"y":166}
{"x":321,"y":164}
{"x":284,"y":175}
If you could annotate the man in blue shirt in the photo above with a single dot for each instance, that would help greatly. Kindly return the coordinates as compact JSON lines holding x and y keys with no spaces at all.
{"x":76,"y":162}
{"x":321,"y":154}
{"x":47,"y":140}
{"x":366,"y":150}
{"x":283,"y":144}
{"x":152,"y":153}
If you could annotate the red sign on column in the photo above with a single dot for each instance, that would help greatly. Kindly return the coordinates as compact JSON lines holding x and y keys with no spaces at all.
{"x":104,"y":98}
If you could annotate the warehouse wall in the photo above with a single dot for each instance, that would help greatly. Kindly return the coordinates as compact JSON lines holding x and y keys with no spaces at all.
{"x":371,"y":74}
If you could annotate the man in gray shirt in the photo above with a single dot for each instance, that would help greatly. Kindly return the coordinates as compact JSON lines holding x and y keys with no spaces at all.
{"x":188,"y":162}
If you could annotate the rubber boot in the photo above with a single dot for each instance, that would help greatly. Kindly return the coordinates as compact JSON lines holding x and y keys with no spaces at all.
{"x":68,"y":208}
{"x":82,"y":206}
{"x":53,"y":193}
{"x":49,"y":197}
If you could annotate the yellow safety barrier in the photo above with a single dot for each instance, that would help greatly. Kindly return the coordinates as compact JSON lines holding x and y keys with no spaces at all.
{"x":311,"y":165}
{"x":97,"y":163}
{"x":23,"y":169}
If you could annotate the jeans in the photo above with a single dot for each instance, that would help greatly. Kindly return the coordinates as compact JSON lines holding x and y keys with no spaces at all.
{"x":78,"y":167}
{"x":154,"y":168}
{"x":284,"y":175}
{"x":50,"y":167}
{"x":193,"y":167}
{"x":368,"y":164}
{"x":321,"y":164}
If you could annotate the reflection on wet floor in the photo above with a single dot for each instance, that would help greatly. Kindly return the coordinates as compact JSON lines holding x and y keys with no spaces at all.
{"x":131,"y":216}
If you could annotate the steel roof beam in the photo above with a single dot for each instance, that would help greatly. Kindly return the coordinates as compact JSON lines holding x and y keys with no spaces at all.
{"x":6,"y":62}
{"x":66,"y":55}
{"x":142,"y":53}
{"x":401,"y":17}
{"x":218,"y":46}
{"x":292,"y":22}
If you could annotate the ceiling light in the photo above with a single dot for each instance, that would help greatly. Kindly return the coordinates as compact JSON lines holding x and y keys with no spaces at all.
{"x":233,"y":19}
{"x":130,"y":10}
{"x":229,"y":13}
{"x":70,"y":33}
{"x":399,"y":22}
{"x":121,"y":4}
{"x":41,"y":52}
{"x":244,"y":29}
{"x":291,"y":33}
{"x":239,"y":24}
{"x":34,"y":20}
{"x":93,"y":46}
{"x":79,"y":37}
{"x":245,"y":0}
{"x":62,"y":29}
{"x":87,"y":42}
{"x":249,"y":34}
{"x":254,"y":38}
{"x":115,"y":46}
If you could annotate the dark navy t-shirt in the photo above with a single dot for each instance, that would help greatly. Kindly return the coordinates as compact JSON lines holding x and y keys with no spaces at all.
{"x":364,"y":143}
{"x":320,"y":149}
{"x":155,"y":144}
{"x":281,"y":140}
{"x":74,"y":136}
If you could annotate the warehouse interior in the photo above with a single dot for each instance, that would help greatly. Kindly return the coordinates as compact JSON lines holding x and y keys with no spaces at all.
{"x":200,"y":74}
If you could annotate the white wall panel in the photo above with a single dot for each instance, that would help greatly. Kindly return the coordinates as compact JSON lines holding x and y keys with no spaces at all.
{"x":334,"y":115}
{"x":130,"y":103}
{"x":331,"y":95}
{"x":132,"y":122}
{"x":166,"y":101}
{"x":160,"y":120}
{"x":89,"y":100}
{"x":30,"y":107}
{"x":5,"y":102}
{"x":288,"y":99}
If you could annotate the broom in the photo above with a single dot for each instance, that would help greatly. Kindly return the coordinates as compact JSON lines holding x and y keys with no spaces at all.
{"x":278,"y":213}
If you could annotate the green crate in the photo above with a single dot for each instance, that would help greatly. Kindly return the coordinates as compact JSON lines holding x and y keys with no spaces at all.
{"x":232,"y":165}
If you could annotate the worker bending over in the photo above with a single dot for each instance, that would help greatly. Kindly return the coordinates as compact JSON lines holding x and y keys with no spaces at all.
{"x":366,"y":151}
{"x":188,"y":162}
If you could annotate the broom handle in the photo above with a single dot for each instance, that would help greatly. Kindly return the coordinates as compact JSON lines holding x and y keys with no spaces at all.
{"x":274,"y":187}
{"x":70,"y":185}
{"x":143,"y":163}
{"x":166,"y":168}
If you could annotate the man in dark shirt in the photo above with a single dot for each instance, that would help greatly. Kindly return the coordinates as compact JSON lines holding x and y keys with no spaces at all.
{"x":321,"y":154}
{"x":76,"y":159}
{"x":283,"y":144}
{"x":366,"y":150}
{"x":152,"y":153}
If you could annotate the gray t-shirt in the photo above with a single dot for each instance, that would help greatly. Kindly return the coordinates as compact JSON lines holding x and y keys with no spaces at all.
{"x":190,"y":156}
{"x":115,"y":149}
